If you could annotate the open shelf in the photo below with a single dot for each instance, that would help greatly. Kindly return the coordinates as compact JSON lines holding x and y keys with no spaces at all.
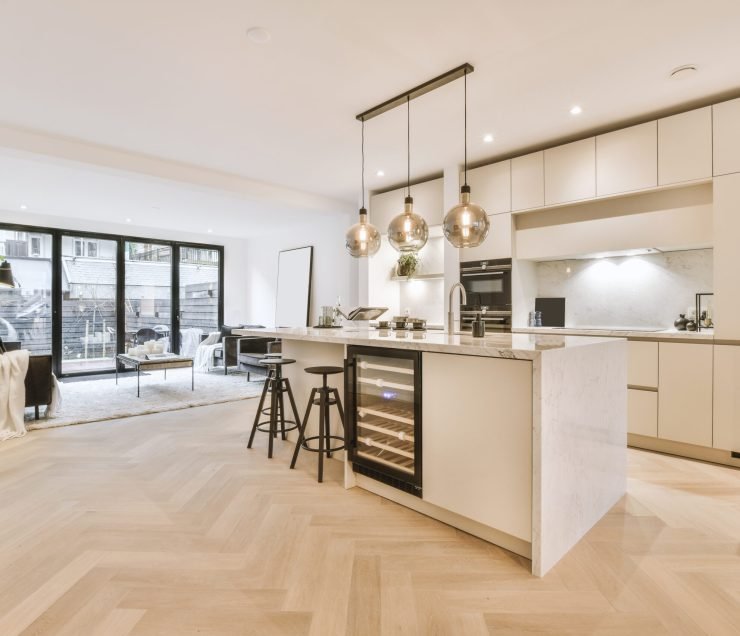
{"x":404,"y":279}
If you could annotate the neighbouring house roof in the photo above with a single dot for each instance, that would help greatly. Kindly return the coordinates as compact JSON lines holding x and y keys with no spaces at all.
{"x":94,"y":271}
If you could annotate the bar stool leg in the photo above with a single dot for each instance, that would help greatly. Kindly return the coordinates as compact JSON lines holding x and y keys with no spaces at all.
{"x":302,"y":427}
{"x":327,"y":422}
{"x":339,"y":406}
{"x":282,"y":409}
{"x":322,"y":433}
{"x":259,"y":413}
{"x":273,"y":419}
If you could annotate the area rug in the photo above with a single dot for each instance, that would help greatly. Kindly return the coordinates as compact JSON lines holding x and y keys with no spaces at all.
{"x":102,"y":399}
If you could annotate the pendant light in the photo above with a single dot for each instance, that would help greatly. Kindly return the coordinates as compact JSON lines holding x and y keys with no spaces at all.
{"x":362,"y":239}
{"x":466,"y":224}
{"x":408,"y":232}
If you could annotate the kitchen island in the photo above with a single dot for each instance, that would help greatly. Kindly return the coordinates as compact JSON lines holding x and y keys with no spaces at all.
{"x":524,"y":436}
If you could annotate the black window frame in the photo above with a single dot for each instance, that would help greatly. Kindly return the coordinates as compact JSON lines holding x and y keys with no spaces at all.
{"x":56,"y":283}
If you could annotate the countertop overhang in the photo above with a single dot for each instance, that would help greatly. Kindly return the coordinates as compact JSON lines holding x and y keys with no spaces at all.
{"x":514,"y":346}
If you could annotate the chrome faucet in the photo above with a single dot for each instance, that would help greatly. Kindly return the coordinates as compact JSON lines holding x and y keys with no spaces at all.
{"x":450,"y":312}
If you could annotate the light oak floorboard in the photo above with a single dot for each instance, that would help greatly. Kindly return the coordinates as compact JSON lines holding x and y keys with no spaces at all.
{"x":167,"y":524}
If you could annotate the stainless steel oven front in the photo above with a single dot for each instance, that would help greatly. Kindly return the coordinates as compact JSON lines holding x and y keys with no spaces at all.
{"x":487,"y":283}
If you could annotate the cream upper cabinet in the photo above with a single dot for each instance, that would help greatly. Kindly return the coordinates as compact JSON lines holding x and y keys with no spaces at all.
{"x":726,"y":137}
{"x":685,"y":393}
{"x":685,"y":147}
{"x":528,"y":182}
{"x":428,"y":201}
{"x":726,"y":398}
{"x":490,"y":187}
{"x":642,"y":364}
{"x":627,"y":159}
{"x":497,"y":243}
{"x":570,"y":172}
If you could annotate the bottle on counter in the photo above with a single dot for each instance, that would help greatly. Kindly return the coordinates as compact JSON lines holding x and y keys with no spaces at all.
{"x":479,"y":326}
{"x":337,"y":313}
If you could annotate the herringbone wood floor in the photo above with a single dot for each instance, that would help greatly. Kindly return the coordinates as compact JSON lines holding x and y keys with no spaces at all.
{"x":166,"y":524}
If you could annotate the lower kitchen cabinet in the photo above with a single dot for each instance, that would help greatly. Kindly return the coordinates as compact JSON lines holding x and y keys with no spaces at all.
{"x":477,"y":451}
{"x":685,"y":393}
{"x":642,"y":364}
{"x":642,"y":412}
{"x":726,"y":398}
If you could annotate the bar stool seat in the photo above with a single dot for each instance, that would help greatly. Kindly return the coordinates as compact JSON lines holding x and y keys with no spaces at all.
{"x":276,"y":385}
{"x":327,"y":396}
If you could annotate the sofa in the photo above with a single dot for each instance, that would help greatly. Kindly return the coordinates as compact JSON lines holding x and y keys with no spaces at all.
{"x":243,"y":352}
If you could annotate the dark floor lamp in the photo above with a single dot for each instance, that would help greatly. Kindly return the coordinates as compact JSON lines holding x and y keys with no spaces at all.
{"x":6,"y":274}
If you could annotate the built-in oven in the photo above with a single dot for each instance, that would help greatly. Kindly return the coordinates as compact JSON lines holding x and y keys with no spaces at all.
{"x":487,"y":286}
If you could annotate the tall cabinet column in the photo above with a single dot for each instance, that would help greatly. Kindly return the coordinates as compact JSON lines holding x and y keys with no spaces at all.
{"x":726,"y":232}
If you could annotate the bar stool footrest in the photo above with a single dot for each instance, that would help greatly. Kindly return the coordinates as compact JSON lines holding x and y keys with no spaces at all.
{"x":264,"y":426}
{"x":305,"y":445}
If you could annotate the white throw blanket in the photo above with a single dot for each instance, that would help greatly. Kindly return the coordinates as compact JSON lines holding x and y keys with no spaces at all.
{"x":204,"y":361}
{"x":190,"y":340}
{"x":13,"y":369}
{"x":52,"y":410}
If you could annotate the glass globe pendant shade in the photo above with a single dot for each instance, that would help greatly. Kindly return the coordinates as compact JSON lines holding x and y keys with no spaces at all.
{"x":408,"y":232}
{"x":362,"y":239}
{"x":466,"y":224}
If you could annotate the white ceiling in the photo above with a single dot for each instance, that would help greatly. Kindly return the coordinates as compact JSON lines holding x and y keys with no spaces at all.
{"x":179,"y":81}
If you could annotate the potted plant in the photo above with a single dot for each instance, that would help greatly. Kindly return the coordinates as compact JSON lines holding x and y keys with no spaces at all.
{"x":407,"y":264}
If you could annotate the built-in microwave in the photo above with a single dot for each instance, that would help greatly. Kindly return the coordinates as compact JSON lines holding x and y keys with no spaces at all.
{"x":487,"y":284}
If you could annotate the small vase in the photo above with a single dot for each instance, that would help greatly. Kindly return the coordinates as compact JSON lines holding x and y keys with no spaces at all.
{"x":680,"y":323}
{"x":690,"y":326}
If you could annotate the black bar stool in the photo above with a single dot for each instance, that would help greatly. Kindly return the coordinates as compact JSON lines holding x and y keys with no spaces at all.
{"x":276,"y":385}
{"x":323,"y":401}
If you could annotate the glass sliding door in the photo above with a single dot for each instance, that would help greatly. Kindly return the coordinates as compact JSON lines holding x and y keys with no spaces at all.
{"x":88,"y":279}
{"x":199,"y":295}
{"x":148,"y":293}
{"x":25,"y":311}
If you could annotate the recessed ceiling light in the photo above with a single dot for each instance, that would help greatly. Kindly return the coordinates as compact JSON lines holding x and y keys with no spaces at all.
{"x":684,"y":72}
{"x":258,"y":35}
{"x":24,"y":206}
{"x":488,"y":138}
{"x":576,"y":110}
{"x":209,"y":230}
{"x":128,"y":220}
{"x":380,"y":173}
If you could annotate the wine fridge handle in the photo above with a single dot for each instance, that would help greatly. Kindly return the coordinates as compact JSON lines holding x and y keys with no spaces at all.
{"x":350,"y":409}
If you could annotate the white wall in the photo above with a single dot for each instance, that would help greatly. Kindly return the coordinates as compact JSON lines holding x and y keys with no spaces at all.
{"x":335,"y":272}
{"x":235,"y":305}
{"x":630,"y":291}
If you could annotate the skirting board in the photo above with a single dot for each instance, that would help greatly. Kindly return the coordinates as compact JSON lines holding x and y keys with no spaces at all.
{"x":501,"y":539}
{"x":679,"y":449}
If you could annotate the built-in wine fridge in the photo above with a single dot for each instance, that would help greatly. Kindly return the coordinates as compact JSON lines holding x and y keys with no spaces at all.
{"x":383,"y":406}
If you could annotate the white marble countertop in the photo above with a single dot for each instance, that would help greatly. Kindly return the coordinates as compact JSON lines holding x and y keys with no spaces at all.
{"x":516,"y":346}
{"x":632,"y":334}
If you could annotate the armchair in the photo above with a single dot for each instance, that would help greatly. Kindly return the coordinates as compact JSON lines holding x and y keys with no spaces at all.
{"x":243,"y":352}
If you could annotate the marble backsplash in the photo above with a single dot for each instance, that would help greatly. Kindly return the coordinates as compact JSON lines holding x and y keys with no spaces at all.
{"x":645,"y":291}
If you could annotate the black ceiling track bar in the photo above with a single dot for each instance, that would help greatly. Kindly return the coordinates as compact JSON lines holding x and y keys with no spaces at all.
{"x":417,"y":91}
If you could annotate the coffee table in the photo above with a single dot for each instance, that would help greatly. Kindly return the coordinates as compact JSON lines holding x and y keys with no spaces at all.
{"x":168,"y":362}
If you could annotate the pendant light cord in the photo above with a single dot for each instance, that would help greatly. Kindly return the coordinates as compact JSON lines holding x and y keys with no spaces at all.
{"x":465,"y":81}
{"x":408,"y":146}
{"x":363,"y":163}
